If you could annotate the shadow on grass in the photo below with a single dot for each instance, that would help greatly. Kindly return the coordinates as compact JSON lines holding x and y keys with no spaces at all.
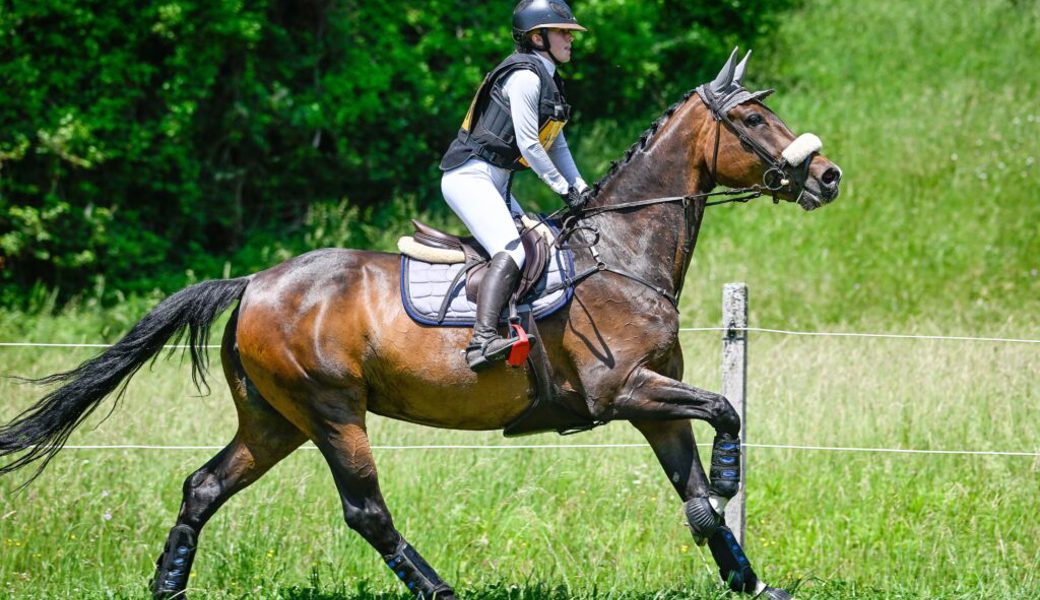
{"x":814,"y":588}
{"x":805,"y":589}
{"x":510,"y":591}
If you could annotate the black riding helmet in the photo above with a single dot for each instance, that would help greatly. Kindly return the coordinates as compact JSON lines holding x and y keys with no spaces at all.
{"x":543,"y":15}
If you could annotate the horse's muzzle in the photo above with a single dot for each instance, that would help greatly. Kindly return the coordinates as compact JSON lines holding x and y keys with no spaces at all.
{"x":822,"y":186}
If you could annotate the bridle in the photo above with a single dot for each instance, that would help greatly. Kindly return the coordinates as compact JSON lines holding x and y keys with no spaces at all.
{"x":774,"y":180}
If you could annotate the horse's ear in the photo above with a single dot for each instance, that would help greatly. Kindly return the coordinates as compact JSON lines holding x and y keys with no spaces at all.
{"x":725,"y":77}
{"x":738,"y":74}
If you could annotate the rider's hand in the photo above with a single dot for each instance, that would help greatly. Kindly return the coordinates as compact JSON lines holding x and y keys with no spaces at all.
{"x":575,"y":199}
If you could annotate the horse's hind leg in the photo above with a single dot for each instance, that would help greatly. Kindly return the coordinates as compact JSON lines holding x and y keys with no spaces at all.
{"x":343,"y":441}
{"x":263,"y":438}
{"x":674,"y":445}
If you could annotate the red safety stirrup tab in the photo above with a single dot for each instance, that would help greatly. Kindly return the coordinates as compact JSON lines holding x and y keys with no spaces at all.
{"x":518,"y":352}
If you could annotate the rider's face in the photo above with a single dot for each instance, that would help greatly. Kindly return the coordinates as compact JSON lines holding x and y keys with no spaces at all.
{"x":560,"y":42}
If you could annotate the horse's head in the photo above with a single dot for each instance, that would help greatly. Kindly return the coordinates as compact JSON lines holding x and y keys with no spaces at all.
{"x":748,"y":145}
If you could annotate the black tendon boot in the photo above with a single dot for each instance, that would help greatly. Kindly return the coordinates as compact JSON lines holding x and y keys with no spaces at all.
{"x":417,"y":574}
{"x":486,"y":345}
{"x":174,"y":564}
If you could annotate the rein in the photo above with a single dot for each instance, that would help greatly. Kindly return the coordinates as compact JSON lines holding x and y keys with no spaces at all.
{"x":773,"y":181}
{"x":751,"y":193}
{"x":571,"y":225}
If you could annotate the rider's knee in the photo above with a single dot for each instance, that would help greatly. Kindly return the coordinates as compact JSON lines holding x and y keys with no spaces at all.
{"x":515,"y":249}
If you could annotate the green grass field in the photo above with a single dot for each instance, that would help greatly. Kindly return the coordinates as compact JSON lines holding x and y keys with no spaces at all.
{"x":931,"y":109}
{"x":577,"y":523}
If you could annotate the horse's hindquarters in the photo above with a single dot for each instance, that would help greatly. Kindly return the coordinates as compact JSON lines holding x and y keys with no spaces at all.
{"x":325,"y":335}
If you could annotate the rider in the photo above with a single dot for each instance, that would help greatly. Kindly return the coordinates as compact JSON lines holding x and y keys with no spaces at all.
{"x":515,"y":121}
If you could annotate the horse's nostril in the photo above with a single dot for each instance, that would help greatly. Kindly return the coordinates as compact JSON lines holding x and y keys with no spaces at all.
{"x":831,"y":176}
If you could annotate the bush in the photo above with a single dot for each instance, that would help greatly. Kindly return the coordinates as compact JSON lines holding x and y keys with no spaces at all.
{"x":147,"y":138}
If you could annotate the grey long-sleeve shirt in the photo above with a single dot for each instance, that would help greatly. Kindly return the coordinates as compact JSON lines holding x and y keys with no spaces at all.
{"x":555,"y":167}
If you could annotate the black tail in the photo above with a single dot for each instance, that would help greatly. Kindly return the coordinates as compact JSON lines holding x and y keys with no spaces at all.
{"x":42,"y":429}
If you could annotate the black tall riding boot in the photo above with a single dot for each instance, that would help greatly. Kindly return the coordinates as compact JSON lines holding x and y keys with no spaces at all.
{"x":499,"y":282}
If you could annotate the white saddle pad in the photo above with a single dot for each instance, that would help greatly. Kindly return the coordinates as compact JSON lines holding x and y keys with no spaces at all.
{"x":424,"y":286}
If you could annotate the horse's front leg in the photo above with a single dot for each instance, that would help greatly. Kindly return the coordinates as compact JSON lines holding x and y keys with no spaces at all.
{"x":651,"y":396}
{"x":654,"y":403}
{"x":674,"y":445}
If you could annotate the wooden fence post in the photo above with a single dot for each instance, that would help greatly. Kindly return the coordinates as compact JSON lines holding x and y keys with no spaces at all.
{"x":734,"y":386}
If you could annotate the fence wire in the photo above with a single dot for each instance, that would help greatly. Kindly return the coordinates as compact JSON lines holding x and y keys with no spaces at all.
{"x":897,"y":336}
{"x":848,"y":334}
{"x":594,"y":446}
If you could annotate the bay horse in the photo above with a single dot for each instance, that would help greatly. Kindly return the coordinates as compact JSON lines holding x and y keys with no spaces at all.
{"x":317,"y":342}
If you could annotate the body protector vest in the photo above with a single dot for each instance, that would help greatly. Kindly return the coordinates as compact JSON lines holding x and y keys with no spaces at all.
{"x":487,"y":131}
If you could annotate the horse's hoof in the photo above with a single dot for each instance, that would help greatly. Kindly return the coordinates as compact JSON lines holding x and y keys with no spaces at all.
{"x":168,"y":594}
{"x":772,"y":593}
{"x":181,"y":595}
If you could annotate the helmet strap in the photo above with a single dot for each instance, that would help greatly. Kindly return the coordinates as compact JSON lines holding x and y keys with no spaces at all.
{"x":546,"y":45}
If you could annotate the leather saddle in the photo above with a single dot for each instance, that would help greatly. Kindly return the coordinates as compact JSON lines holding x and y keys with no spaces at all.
{"x":546,"y":412}
{"x":535,"y":247}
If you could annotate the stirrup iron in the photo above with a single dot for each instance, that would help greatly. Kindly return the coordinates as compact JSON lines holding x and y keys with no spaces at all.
{"x":514,"y":349}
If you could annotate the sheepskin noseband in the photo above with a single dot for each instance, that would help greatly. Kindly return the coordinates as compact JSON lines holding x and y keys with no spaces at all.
{"x":801,"y":148}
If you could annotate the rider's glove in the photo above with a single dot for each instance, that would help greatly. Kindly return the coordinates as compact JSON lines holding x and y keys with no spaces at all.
{"x":575,"y":199}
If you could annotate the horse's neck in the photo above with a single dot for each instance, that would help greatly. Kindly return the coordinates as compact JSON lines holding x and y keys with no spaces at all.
{"x":649,"y":241}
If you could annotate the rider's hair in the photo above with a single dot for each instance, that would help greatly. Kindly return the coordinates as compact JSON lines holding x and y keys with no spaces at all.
{"x":524,"y":43}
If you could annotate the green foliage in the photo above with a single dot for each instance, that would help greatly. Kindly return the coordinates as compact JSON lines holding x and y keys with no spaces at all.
{"x":639,"y":57}
{"x":149,"y":138}
{"x":109,"y":179}
{"x":937,"y":228}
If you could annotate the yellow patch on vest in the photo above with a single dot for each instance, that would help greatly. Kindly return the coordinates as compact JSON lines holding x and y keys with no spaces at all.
{"x":466,"y":122}
{"x":547,"y":136}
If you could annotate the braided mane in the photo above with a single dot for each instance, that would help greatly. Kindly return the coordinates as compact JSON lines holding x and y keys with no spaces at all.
{"x":640,"y":144}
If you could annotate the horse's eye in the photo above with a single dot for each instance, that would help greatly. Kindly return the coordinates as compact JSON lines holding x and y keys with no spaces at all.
{"x":754,"y":119}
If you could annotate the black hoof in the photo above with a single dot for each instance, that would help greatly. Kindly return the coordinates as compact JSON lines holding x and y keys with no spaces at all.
{"x":772,"y":593}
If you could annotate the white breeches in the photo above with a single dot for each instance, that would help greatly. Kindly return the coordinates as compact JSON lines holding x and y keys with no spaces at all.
{"x":476,"y":190}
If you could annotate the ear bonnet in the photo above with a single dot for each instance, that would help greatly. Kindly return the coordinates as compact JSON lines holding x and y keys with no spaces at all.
{"x":727,"y":89}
